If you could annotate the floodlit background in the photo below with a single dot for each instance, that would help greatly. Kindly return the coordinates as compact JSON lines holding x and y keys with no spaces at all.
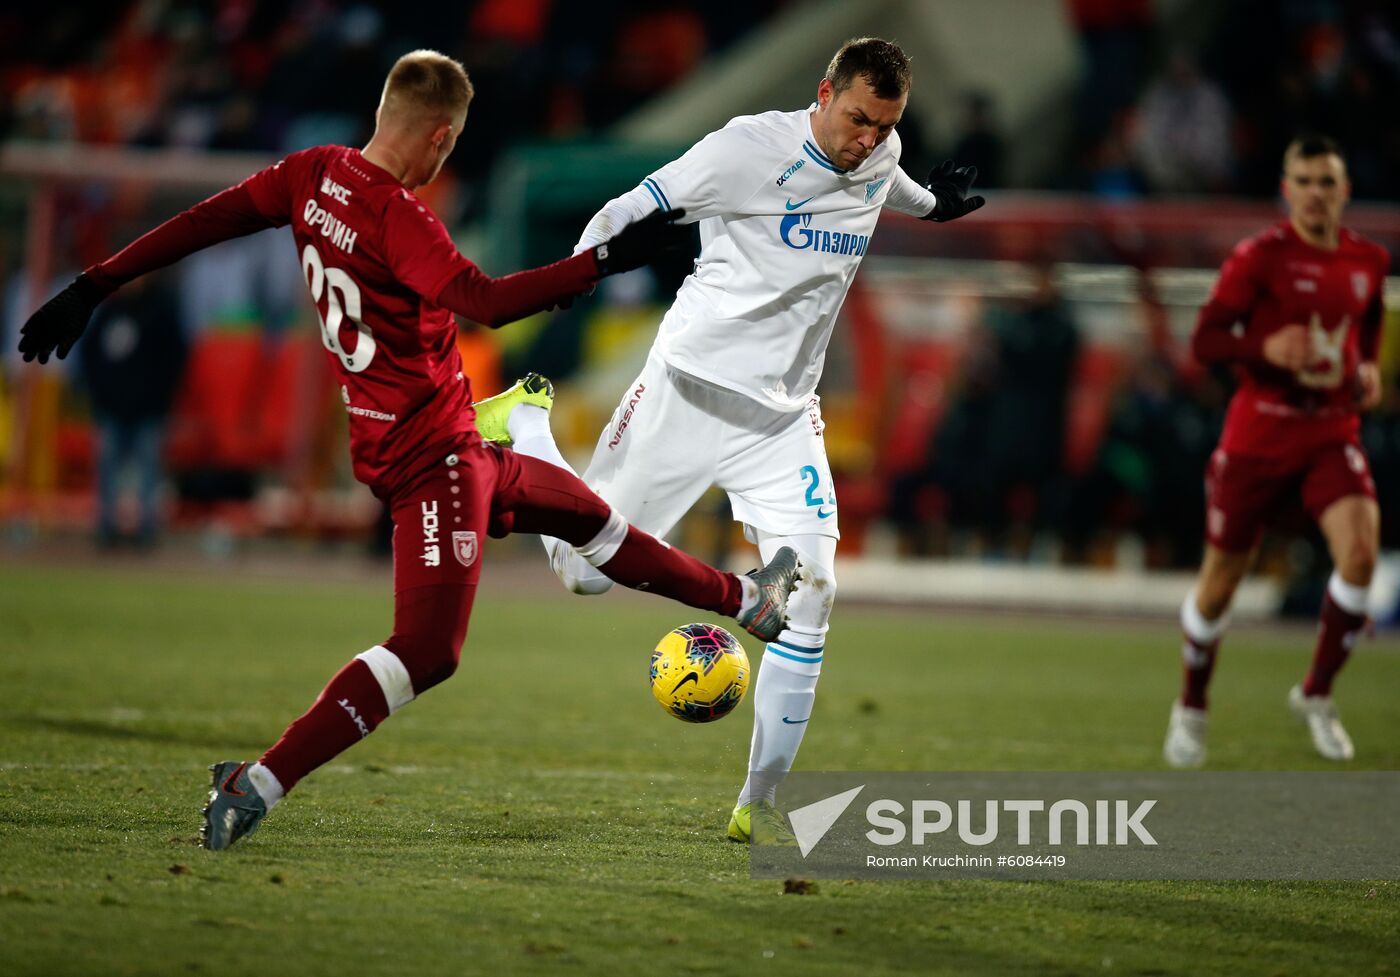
{"x":1009,"y":399}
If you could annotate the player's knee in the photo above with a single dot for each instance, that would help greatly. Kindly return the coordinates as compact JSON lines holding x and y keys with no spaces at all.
{"x":1358,"y":562}
{"x":809,"y":608}
{"x":1213,"y":597}
{"x":430,"y":659}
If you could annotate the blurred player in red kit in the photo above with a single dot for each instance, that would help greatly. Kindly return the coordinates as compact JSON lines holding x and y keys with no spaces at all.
{"x":386,"y":280}
{"x":1297,"y":312}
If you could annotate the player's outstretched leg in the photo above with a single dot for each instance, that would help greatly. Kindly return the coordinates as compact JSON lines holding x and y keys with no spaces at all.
{"x":785,"y":689}
{"x":547,"y":500}
{"x":758,"y":600}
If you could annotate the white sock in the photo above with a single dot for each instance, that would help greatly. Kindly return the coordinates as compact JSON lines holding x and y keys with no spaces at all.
{"x":1194,"y":623}
{"x":530,"y":433}
{"x":528,"y":426}
{"x":1348,"y":596}
{"x":784,"y":693}
{"x":269,"y":787}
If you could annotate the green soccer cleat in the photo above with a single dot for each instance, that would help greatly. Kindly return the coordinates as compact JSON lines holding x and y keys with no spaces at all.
{"x":235,"y":807}
{"x":760,"y":823}
{"x":767,"y":617}
{"x":493,"y":412}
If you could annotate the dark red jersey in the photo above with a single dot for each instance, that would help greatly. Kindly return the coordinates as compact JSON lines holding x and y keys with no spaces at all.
{"x":385,"y":278}
{"x":1275,"y":279}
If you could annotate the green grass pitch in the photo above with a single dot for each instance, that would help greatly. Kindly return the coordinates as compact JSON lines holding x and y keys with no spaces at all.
{"x":539,"y":814}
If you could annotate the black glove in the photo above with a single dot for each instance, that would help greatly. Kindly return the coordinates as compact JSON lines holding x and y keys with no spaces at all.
{"x":60,"y":321}
{"x":950,"y":187}
{"x":642,"y":242}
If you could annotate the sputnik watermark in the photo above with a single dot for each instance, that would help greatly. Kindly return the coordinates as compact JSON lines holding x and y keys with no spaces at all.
{"x":1099,"y":822}
{"x":1086,"y":825}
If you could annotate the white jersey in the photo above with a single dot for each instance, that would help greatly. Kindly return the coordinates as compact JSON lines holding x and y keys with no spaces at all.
{"x":782,"y":233}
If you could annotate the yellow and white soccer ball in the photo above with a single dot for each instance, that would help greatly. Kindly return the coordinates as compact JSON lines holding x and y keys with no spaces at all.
{"x":699,"y":673}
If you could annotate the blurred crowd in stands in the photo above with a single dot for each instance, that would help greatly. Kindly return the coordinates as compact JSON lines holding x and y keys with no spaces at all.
{"x":1153,"y":116}
{"x":280,"y":76}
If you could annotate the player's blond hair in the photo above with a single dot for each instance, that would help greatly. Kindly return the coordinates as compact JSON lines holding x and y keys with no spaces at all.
{"x":424,"y":83}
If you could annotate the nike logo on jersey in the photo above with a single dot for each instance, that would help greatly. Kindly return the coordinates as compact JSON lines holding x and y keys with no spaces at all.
{"x":795,"y":722}
{"x":690,"y":677}
{"x":794,"y":206}
{"x":823,"y":514}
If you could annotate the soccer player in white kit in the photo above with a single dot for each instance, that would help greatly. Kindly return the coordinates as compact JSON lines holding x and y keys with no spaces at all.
{"x":787,"y":202}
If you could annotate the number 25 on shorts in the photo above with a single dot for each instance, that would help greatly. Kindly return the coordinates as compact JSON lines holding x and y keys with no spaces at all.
{"x":813,"y":479}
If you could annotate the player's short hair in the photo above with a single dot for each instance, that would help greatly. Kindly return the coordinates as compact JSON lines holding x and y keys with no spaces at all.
{"x":1311,"y":145}
{"x":426,"y":82}
{"x":883,"y":65}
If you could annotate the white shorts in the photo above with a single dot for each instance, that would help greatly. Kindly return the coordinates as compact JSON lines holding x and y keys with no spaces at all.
{"x":673,"y":436}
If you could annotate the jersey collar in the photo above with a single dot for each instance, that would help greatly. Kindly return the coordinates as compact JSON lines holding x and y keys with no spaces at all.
{"x":813,"y":151}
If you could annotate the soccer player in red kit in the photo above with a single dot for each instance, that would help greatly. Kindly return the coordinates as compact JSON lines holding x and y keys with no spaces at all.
{"x":1297,"y":312}
{"x":386,"y":279}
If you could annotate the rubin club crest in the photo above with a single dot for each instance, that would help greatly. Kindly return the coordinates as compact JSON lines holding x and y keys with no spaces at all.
{"x":464,"y":547}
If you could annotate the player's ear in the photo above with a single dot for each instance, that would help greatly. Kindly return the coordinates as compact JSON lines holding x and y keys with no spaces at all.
{"x":824,"y":92}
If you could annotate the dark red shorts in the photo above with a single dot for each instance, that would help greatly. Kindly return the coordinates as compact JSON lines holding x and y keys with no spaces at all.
{"x":443,"y":513}
{"x":1244,"y":494}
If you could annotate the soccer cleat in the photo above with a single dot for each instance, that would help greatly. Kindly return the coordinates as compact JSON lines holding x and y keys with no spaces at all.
{"x":493,"y":413}
{"x":1186,"y":736}
{"x":760,"y":823}
{"x":766,"y":618}
{"x":235,"y":807}
{"x":1320,"y":714}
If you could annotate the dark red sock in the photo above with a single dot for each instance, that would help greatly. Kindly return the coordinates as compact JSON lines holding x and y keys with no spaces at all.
{"x":556,"y":503}
{"x":644,"y":562}
{"x":1335,"y":637}
{"x":1198,"y":661}
{"x":348,"y":710}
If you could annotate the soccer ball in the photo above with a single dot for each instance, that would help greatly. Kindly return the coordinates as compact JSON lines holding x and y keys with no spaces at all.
{"x":699,"y":673}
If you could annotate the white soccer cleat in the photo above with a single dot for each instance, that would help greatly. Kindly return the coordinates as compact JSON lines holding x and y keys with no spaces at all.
{"x":1186,"y":736}
{"x":1320,"y":713}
